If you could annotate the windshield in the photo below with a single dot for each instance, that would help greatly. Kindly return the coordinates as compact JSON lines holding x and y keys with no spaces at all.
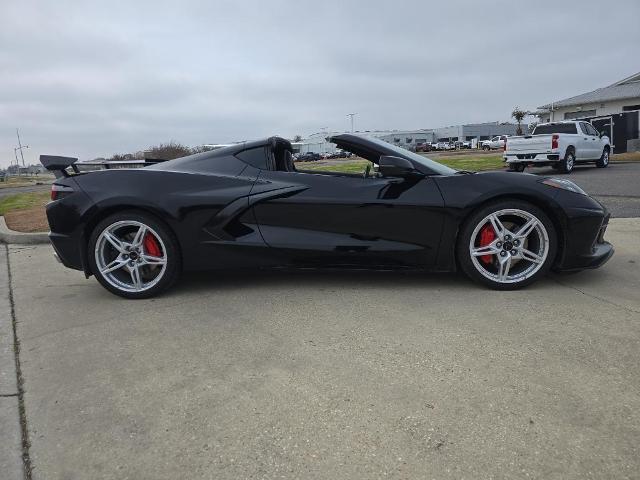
{"x":436,"y":167}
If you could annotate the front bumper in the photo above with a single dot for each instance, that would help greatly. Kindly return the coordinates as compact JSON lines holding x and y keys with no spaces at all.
{"x":533,"y":158}
{"x":585,"y":246}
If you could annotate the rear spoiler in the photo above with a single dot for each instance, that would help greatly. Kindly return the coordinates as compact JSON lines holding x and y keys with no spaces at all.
{"x":59,"y":165}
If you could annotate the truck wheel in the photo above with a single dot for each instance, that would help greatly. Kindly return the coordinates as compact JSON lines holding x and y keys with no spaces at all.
{"x":486,"y":148}
{"x":604,"y":159}
{"x":566,"y":164}
{"x":517,"y":167}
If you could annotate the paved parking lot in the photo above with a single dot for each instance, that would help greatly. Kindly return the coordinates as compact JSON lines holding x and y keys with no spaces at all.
{"x":312,"y":375}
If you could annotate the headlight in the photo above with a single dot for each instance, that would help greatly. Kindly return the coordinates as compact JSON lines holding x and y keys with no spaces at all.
{"x":563,"y":184}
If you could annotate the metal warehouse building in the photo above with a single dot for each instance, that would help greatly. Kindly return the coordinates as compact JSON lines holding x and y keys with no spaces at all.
{"x":613,"y":110}
{"x":409,"y":138}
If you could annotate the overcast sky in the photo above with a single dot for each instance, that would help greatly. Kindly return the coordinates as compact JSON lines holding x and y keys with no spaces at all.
{"x":91,"y":79}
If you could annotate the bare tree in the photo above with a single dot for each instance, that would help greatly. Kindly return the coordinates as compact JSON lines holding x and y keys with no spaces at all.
{"x":168,"y":151}
{"x":297,"y":138}
{"x":519,"y":115}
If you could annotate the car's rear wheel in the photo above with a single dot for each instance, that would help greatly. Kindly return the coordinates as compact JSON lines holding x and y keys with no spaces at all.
{"x":134,"y":255}
{"x":486,"y":148}
{"x":568,"y":162}
{"x":517,"y":167}
{"x":507,"y":245}
{"x":604,"y":159}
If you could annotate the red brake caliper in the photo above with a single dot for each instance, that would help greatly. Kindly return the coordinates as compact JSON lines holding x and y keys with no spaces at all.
{"x":151,"y":245}
{"x":487,"y":235}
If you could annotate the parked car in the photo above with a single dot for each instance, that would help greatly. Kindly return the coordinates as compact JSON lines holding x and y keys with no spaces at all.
{"x":245,"y":205}
{"x":559,"y":144}
{"x":495,"y":143}
{"x":309,"y":157}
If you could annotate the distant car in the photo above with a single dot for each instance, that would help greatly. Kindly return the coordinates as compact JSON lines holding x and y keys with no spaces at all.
{"x":423,"y":147}
{"x":495,"y":143}
{"x":309,"y":157}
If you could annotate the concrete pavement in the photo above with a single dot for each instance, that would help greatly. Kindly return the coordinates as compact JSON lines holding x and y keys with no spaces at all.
{"x":10,"y":432}
{"x":307,"y":375}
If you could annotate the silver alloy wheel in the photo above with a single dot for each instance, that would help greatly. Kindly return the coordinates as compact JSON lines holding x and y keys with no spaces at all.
{"x":605,"y":158}
{"x":122,"y":259}
{"x":518,"y":251}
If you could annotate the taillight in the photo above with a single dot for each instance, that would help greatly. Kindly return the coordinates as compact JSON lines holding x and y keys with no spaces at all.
{"x":554,"y":140}
{"x":60,"y":191}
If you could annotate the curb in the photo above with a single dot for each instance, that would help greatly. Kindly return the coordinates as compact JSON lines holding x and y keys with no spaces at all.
{"x":11,"y":236}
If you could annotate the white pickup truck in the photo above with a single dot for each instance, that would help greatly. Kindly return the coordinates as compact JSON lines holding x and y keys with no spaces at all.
{"x":560,"y":144}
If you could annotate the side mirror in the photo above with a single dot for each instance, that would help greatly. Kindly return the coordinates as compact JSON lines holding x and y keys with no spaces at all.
{"x":391,"y":166}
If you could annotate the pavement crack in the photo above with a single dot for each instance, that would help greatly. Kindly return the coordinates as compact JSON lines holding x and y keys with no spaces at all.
{"x":26,"y":444}
{"x":5,"y":395}
{"x":595,"y":297}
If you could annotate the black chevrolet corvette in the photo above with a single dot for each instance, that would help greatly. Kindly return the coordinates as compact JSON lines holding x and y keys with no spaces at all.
{"x":247,"y":206}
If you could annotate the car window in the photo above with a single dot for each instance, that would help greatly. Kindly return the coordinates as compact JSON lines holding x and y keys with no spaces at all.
{"x":550,"y":128}
{"x":592,"y":129}
{"x":583,"y":127}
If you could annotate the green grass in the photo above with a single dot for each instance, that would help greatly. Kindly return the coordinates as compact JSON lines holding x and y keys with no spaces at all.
{"x":473,"y":163}
{"x":21,"y":201}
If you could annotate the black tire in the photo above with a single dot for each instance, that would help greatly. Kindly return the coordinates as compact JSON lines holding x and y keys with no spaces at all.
{"x":173,"y":254}
{"x":603,"y":161}
{"x":463,"y":254}
{"x":517,"y":167}
{"x":568,"y":162}
{"x":486,"y":148}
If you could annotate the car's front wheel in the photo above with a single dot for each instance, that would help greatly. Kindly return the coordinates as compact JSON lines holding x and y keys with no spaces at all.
{"x":134,"y":255}
{"x":507,"y":244}
{"x":603,"y":162}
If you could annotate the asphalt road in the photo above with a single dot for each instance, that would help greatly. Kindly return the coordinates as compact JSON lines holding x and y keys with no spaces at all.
{"x":4,"y":192}
{"x":333,"y":375}
{"x":617,"y":186}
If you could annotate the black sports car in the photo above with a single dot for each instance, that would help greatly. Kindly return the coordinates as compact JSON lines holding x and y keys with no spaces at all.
{"x":247,"y":206}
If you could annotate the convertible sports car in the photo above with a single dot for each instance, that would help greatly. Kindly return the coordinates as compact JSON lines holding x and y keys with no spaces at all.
{"x":247,"y":205}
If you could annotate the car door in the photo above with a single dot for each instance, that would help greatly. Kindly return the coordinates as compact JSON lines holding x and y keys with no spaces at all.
{"x":341,"y":219}
{"x":585,"y":148}
{"x":596,"y":142}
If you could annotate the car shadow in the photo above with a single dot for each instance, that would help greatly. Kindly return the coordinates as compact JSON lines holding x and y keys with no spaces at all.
{"x":239,"y":279}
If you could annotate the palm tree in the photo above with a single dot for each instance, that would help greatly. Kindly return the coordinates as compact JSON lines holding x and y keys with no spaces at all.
{"x":519,"y":116}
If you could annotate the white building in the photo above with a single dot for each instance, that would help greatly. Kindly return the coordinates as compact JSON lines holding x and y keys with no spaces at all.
{"x":622,"y":96}
{"x":613,"y":110}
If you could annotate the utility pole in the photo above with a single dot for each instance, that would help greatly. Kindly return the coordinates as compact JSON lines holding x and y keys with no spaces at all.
{"x":20,"y":148}
{"x":351,"y":115}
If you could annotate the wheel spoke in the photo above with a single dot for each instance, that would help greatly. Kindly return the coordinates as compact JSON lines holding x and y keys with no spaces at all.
{"x":530,"y":256}
{"x":135,"y":277}
{"x":490,"y":249}
{"x":504,"y":265}
{"x":497,"y":225}
{"x":137,"y":240}
{"x":527,"y":228}
{"x":114,"y":241}
{"x":151,"y":260}
{"x":114,"y":265}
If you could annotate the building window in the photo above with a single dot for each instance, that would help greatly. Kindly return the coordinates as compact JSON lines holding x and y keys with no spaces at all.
{"x":630,"y":108}
{"x":580,"y":114}
{"x":408,"y":140}
{"x":397,"y":140}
